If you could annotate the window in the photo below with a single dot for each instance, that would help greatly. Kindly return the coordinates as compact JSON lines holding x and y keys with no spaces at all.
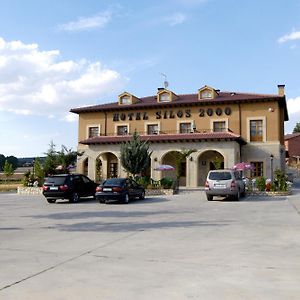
{"x":93,"y":131}
{"x":164,"y":97}
{"x":152,"y":129}
{"x":183,"y":169}
{"x":113,"y":170}
{"x":185,"y":128}
{"x":257,"y":169}
{"x":126,"y":100}
{"x":122,"y":130}
{"x":256,"y":130}
{"x":219,"y":126}
{"x":206,"y":95}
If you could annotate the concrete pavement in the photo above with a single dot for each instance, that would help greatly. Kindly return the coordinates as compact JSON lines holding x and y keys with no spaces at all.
{"x":174,"y":247}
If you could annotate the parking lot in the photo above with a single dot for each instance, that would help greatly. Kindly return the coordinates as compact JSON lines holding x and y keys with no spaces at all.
{"x":170,"y":247}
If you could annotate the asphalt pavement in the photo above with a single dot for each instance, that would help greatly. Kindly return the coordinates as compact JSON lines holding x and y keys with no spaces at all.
{"x":171,"y":247}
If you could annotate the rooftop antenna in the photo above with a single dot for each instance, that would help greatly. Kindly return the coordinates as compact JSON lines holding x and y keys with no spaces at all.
{"x":166,"y":83}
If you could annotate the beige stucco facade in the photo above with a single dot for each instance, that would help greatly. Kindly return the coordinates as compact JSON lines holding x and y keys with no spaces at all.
{"x":235,"y":112}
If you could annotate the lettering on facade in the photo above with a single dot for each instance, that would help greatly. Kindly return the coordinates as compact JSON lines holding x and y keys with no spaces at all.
{"x":170,"y":114}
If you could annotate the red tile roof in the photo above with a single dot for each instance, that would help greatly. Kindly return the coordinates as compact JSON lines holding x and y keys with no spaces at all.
{"x":291,"y":136}
{"x":187,"y":99}
{"x":161,"y":138}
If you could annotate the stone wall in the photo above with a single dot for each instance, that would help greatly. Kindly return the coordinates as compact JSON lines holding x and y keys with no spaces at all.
{"x":30,"y":190}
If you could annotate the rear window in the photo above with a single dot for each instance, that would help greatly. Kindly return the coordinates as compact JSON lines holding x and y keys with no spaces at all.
{"x":59,"y":180}
{"x":219,"y":176}
{"x":114,"y":181}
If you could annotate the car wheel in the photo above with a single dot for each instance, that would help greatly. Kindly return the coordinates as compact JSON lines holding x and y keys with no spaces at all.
{"x":50,"y":200}
{"x":209,"y":197}
{"x":101,"y":201}
{"x":142,"y":196}
{"x":126,"y":199}
{"x":74,"y":198}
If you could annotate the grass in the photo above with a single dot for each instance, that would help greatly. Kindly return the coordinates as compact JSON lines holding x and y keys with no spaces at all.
{"x":4,"y":187}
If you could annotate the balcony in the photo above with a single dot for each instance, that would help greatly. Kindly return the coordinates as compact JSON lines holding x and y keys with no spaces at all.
{"x":165,"y":136}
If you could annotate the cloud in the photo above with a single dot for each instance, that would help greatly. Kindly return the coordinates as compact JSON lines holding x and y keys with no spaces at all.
{"x":293,"y":105}
{"x":294,"y":35}
{"x":175,"y":19}
{"x":97,"y":21}
{"x":35,"y":82}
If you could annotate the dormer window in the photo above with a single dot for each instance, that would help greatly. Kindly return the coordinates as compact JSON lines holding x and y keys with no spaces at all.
{"x":126,"y":100}
{"x":165,"y":97}
{"x":206,"y":94}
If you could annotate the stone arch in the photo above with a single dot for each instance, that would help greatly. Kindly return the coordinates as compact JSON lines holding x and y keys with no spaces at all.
{"x":107,"y":165}
{"x":208,"y":160}
{"x":171,"y":158}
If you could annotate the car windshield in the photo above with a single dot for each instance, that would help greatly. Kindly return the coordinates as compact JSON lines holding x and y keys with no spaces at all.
{"x":114,"y":181}
{"x":220,"y":176}
{"x":57,"y":180}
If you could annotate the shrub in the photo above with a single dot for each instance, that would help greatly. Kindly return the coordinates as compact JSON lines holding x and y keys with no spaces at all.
{"x":261,"y":183}
{"x":280,"y":181}
{"x":143,"y":180}
{"x":166,"y":182}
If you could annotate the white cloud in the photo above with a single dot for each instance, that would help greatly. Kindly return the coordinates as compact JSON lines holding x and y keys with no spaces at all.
{"x":97,"y":21}
{"x":175,"y":19}
{"x":294,"y":35}
{"x":70,"y":118}
{"x":35,"y":82}
{"x":293,"y":105}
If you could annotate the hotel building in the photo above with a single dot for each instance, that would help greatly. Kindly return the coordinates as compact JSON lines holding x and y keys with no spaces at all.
{"x":223,"y":128}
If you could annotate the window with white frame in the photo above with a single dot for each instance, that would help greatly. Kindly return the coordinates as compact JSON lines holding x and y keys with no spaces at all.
{"x":219,"y":126}
{"x":164,"y":97}
{"x":256,"y":130}
{"x":126,"y":100}
{"x":207,"y":94}
{"x":122,"y":130}
{"x":152,"y":129}
{"x":93,"y":131}
{"x":185,"y":127}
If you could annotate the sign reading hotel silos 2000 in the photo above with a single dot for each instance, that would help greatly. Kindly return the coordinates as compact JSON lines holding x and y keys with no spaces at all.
{"x":170,"y":114}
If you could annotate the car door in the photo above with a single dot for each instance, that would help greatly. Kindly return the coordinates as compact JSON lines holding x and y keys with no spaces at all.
{"x":89,"y":186}
{"x":78,"y":185}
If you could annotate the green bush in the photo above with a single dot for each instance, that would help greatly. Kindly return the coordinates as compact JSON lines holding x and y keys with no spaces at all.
{"x":261,"y":183}
{"x":280,"y":181}
{"x":143,"y":180}
{"x":166,"y":182}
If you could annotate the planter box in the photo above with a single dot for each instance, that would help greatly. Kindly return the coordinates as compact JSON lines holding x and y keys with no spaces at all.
{"x":156,"y":192}
{"x":30,"y":190}
{"x":279,"y":193}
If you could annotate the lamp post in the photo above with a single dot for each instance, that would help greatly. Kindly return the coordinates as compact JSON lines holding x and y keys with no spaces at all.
{"x":271,"y":161}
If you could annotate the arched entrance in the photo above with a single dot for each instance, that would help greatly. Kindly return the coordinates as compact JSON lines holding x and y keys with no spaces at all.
{"x":107,"y":166}
{"x":208,"y":160}
{"x":174,"y":158}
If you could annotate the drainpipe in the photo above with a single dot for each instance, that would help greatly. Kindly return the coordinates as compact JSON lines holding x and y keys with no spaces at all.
{"x":240,"y":130}
{"x":105,"y":124}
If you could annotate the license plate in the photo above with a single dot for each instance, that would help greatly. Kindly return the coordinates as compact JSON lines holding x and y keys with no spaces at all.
{"x":107,"y":189}
{"x":53,"y":188}
{"x":220,"y":186}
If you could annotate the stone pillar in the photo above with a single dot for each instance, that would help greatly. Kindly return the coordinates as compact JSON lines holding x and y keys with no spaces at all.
{"x":91,"y":168}
{"x":191,"y":172}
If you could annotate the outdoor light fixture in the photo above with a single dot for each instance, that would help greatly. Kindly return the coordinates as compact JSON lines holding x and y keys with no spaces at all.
{"x":155,"y":158}
{"x":191,"y":158}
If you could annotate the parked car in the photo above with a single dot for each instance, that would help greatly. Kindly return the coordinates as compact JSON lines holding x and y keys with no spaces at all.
{"x":121,"y":189}
{"x":68,"y":186}
{"x":224,"y":183}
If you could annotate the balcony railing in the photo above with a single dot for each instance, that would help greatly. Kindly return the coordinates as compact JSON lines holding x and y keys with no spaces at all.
{"x":168,"y":132}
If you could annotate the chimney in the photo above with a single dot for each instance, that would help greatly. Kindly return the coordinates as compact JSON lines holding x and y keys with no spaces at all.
{"x":281,"y":89}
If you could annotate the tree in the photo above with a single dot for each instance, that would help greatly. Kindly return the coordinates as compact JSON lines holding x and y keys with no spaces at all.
{"x":297,"y":128}
{"x":13,"y":161}
{"x":135,"y":155}
{"x":51,"y":161}
{"x":66,"y":158}
{"x":2,"y":161}
{"x":8,"y":169}
{"x":38,"y":170}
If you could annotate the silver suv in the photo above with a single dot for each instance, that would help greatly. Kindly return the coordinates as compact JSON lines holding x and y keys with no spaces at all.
{"x":224,"y":183}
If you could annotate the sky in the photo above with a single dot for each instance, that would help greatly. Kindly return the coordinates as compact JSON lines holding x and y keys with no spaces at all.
{"x":58,"y":55}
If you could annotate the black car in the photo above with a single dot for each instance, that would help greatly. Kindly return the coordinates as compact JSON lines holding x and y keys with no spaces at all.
{"x":68,"y":186}
{"x":121,"y":189}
